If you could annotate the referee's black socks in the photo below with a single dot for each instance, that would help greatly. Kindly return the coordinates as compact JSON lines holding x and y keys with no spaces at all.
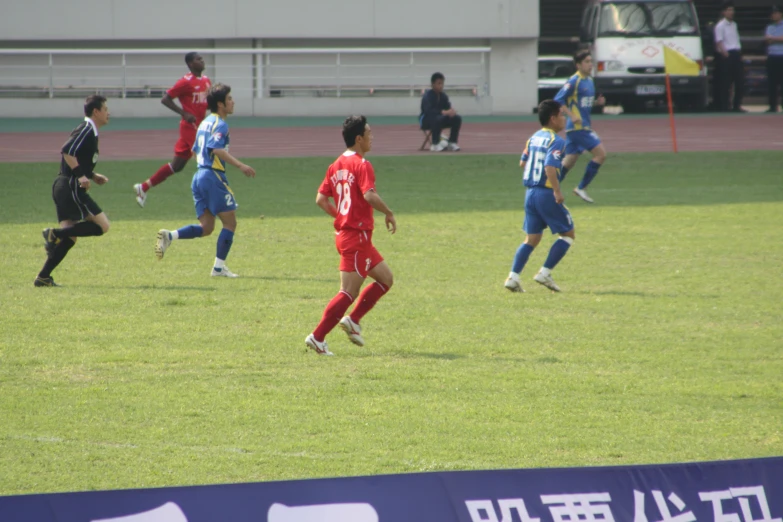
{"x":80,"y":229}
{"x":56,"y":257}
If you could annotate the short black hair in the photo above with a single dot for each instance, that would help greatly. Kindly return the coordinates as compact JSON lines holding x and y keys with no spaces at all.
{"x":353,"y":126}
{"x":776,"y":9}
{"x":580,"y":56}
{"x":217,"y":93}
{"x":190,"y":57}
{"x":547,"y":109}
{"x":726,"y":5}
{"x":437,"y":76}
{"x":92,"y":102}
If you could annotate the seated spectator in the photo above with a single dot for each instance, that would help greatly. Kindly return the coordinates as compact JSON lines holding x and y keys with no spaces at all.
{"x":437,"y":114}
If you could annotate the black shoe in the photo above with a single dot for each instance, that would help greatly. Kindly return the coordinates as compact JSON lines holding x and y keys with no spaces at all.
{"x":44,"y":281}
{"x":739,"y":109}
{"x":50,"y":240}
{"x":771,"y":110}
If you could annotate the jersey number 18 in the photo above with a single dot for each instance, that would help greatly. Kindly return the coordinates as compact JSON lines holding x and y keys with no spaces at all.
{"x":343,"y":197}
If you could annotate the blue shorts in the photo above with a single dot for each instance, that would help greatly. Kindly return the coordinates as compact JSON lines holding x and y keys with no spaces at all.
{"x":542,"y":211}
{"x":211,"y":192}
{"x":578,"y":141}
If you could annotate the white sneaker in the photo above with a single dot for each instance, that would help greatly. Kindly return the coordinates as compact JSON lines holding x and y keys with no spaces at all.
{"x":353,"y":330}
{"x":164,"y":241}
{"x":437,"y":148}
{"x":224,"y":272}
{"x":454,"y":147}
{"x":320,"y":348}
{"x":547,"y":281}
{"x":513,"y":285}
{"x":141,"y":196}
{"x":583,"y":194}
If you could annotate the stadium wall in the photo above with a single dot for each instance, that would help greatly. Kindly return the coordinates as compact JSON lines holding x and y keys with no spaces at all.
{"x":509,"y":27}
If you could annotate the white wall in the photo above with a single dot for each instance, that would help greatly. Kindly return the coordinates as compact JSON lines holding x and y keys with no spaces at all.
{"x":509,"y":27}
{"x":293,"y":107}
{"x":177,"y":19}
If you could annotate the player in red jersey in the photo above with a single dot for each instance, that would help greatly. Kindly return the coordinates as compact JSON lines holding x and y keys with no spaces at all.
{"x":350,"y":182}
{"x":191,"y":91}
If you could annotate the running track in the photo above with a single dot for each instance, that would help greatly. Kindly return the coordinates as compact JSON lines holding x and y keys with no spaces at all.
{"x":694,"y":133}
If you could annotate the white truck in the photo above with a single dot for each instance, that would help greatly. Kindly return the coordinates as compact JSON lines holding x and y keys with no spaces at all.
{"x":626,"y":39}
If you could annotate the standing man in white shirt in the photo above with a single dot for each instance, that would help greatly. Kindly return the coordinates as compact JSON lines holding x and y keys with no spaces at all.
{"x":727,"y":44}
{"x":774,"y":39}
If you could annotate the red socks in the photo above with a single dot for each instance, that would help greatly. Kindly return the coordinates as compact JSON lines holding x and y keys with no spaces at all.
{"x":159,"y":177}
{"x":367,"y":300}
{"x":334,"y":311}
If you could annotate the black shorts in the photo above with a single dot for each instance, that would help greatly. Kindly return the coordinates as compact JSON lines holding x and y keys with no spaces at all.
{"x":72,"y":202}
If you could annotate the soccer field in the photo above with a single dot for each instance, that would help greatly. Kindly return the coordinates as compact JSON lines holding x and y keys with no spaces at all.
{"x":665,"y":345}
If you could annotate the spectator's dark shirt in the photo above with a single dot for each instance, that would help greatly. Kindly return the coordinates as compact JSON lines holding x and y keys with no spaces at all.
{"x":433,"y":104}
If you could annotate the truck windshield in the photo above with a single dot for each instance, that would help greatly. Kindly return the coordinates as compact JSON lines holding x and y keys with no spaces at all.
{"x":639,"y":19}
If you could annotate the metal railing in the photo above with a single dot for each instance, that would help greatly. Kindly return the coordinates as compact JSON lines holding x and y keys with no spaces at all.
{"x":316,"y":72}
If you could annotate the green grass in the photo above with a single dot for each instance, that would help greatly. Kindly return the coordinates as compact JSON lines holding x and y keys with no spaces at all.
{"x":666,"y":344}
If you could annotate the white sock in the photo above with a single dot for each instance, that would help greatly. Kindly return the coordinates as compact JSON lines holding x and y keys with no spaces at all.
{"x":545,"y":271}
{"x":220,"y":264}
{"x":514,"y":276}
{"x":174,"y":234}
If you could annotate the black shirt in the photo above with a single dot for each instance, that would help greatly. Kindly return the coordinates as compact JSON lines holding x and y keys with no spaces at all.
{"x":83,"y":145}
{"x":433,"y":104}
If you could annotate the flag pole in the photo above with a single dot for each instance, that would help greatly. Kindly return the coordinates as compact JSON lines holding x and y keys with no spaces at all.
{"x":671,"y":112}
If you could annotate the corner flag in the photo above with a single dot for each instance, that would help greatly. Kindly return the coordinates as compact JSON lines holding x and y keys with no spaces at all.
{"x":677,"y":64}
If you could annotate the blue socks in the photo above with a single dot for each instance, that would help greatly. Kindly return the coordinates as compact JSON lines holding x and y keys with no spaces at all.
{"x":521,"y":257}
{"x":591,"y":171}
{"x":225,"y":239}
{"x":558,"y":251}
{"x":563,"y":172}
{"x":190,"y":232}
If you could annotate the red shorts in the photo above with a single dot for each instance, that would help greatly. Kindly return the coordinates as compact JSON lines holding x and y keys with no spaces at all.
{"x":187,"y":137}
{"x":357,"y":253}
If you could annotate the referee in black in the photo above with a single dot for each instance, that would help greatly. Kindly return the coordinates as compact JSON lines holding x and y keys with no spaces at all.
{"x":78,"y":214}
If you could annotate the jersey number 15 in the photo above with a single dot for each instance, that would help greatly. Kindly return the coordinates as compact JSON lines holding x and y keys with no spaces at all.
{"x":534,"y":167}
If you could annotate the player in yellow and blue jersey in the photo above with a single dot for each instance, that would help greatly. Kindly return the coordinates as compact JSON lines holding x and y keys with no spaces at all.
{"x":211,"y":193}
{"x":541,"y":164}
{"x":578,"y":97}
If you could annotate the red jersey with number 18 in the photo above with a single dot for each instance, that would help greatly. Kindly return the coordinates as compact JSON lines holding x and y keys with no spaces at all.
{"x":347,"y":180}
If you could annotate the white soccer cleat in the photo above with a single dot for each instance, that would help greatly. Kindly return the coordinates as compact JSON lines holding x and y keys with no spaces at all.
{"x":163,"y":243}
{"x":454,"y":147}
{"x":321,"y":348}
{"x":438,"y":148}
{"x":141,"y":196}
{"x":547,"y":281}
{"x":583,"y":194}
{"x":224,"y":272}
{"x":353,"y":330}
{"x":513,"y":285}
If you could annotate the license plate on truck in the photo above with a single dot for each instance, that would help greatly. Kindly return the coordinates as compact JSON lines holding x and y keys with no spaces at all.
{"x":647,"y":90}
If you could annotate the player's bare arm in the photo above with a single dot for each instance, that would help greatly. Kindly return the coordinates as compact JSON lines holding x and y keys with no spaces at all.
{"x":551,"y":176}
{"x":326,"y":204}
{"x":84,"y":181}
{"x":224,"y":155}
{"x":522,"y":164}
{"x":378,"y":204}
{"x":168,"y":101}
